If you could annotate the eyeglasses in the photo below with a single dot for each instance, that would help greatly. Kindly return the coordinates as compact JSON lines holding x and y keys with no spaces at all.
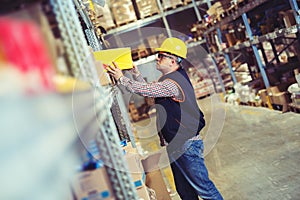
{"x":161,"y":56}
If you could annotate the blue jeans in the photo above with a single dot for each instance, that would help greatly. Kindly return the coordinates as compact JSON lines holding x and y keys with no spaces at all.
{"x":190,"y":173}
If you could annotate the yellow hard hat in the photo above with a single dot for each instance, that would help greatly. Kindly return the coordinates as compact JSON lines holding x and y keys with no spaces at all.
{"x":173,"y":46}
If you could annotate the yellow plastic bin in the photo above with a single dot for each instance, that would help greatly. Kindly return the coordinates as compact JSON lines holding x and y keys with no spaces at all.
{"x":122,"y":56}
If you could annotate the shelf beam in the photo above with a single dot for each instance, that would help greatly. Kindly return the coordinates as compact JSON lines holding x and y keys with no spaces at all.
{"x":164,"y":18}
{"x":256,"y":40}
{"x":250,"y":6}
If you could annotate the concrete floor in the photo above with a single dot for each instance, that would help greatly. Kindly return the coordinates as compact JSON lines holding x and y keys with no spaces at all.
{"x":251,"y":152}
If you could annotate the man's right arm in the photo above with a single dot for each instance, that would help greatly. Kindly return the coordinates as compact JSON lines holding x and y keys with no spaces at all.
{"x":165,"y":88}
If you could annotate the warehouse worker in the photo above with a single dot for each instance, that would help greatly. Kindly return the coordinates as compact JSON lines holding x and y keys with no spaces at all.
{"x":179,"y":120}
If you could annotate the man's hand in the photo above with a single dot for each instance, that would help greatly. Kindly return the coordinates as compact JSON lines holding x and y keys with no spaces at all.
{"x":135,"y":71}
{"x":114,"y":71}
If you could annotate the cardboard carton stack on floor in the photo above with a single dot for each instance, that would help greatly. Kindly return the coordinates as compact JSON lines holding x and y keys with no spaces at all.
{"x":278,"y":98}
{"x":154,"y":179}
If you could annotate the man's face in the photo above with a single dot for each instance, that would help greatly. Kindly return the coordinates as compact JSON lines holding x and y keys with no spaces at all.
{"x":164,"y":62}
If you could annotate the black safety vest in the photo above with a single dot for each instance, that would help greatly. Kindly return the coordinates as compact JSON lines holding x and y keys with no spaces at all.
{"x":179,"y":120}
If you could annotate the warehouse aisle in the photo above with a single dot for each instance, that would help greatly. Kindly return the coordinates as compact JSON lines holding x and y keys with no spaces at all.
{"x":256,"y":155}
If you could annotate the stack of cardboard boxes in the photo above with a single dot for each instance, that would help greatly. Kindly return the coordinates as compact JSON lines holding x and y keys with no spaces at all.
{"x":104,"y":17}
{"x":273,"y":98}
{"x":123,"y":11}
{"x":146,"y":8}
{"x":95,"y":184}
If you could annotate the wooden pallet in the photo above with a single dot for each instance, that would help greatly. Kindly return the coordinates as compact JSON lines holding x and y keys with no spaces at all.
{"x":125,"y":23}
{"x":110,"y":28}
{"x":149,"y":15}
{"x":173,"y":7}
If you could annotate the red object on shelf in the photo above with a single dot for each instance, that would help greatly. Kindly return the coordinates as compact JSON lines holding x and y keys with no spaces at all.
{"x":22,"y":45}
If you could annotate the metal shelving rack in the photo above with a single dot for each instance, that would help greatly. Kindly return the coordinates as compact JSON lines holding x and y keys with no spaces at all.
{"x":107,"y":138}
{"x":253,"y":40}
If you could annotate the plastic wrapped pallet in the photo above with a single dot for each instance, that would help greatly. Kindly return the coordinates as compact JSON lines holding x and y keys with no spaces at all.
{"x":146,"y":8}
{"x":104,"y":17}
{"x":123,"y":11}
{"x":167,"y":4}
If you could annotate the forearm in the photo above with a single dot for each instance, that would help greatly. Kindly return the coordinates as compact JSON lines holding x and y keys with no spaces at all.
{"x":150,"y":89}
{"x":138,"y":77}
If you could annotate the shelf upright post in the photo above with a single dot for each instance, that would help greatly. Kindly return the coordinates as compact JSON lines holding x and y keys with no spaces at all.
{"x":196,"y":10}
{"x":218,"y":75}
{"x":208,"y":2}
{"x":163,"y":15}
{"x":258,"y":59}
{"x":227,"y":57}
{"x":296,"y":10}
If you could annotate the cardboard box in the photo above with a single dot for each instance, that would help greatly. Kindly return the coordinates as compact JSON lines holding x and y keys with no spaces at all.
{"x":104,"y":17}
{"x":123,"y":11}
{"x":272,"y":90}
{"x":150,"y":163}
{"x":136,"y":169}
{"x":92,"y":184}
{"x":155,"y":181}
{"x":279,"y":98}
{"x":212,"y":11}
{"x":142,"y":193}
{"x":146,"y":8}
